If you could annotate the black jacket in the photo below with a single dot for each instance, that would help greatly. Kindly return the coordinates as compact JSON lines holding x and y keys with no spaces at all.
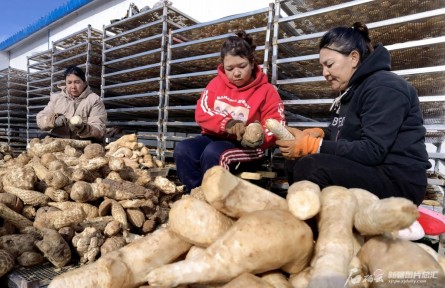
{"x":379,"y":122}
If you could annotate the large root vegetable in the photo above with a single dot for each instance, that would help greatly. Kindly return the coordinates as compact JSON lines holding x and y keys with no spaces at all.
{"x":16,"y":244}
{"x":278,"y":130}
{"x":197,"y":222}
{"x":390,"y":257}
{"x":375,"y":217}
{"x":117,"y":190}
{"x":7,"y":262}
{"x":12,"y":201}
{"x":20,"y":177}
{"x":28,"y":259}
{"x":29,"y":197}
{"x":89,"y":210}
{"x":234,"y":196}
{"x":334,"y":247}
{"x":59,"y":219}
{"x":303,"y":199}
{"x":253,"y":136}
{"x":127,"y":266}
{"x":54,"y":247}
{"x":16,"y":219}
{"x":259,"y":241}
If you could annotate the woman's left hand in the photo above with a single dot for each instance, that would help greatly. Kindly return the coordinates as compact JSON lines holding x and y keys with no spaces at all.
{"x":302,"y":145}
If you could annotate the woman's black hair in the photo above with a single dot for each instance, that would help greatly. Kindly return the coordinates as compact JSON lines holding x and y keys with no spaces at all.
{"x":76,"y":71}
{"x":239,"y":45}
{"x":347,"y":39}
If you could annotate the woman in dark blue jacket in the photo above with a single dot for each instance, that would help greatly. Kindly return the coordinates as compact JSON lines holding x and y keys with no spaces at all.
{"x":376,"y":140}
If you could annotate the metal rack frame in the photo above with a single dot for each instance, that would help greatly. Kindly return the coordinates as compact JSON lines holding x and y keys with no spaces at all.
{"x":12,"y":108}
{"x":38,"y":89}
{"x":133,"y":82}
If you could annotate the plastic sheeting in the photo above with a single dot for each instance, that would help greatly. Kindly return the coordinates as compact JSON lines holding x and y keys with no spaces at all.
{"x":55,"y":15}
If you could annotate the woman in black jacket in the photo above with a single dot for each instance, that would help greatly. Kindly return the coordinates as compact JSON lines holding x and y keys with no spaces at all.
{"x":376,"y":140}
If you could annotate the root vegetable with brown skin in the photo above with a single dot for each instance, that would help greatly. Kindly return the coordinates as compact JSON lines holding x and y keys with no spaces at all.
{"x":93,"y":163}
{"x":16,"y":244}
{"x":126,"y":267}
{"x":84,"y":192}
{"x":7,"y":262}
{"x":334,"y":247}
{"x":87,"y":244}
{"x":387,"y":255}
{"x":57,"y":195}
{"x":257,"y":242}
{"x":111,"y":244}
{"x":197,"y":222}
{"x":57,"y":179}
{"x":59,"y":219}
{"x":93,"y":150}
{"x":234,"y":196}
{"x":167,"y":186}
{"x":40,"y":169}
{"x":135,"y":216}
{"x":14,"y":218}
{"x":383,"y":215}
{"x":20,"y":177}
{"x":54,"y":247}
{"x":303,"y":199}
{"x":253,"y":135}
{"x":41,"y":148}
{"x":28,"y":259}
{"x":12,"y":201}
{"x":89,"y":210}
{"x":113,"y":146}
{"x":78,"y":144}
{"x":112,"y":228}
{"x":29,"y":197}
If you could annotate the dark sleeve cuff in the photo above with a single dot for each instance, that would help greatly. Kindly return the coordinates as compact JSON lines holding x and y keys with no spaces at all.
{"x":328,"y":147}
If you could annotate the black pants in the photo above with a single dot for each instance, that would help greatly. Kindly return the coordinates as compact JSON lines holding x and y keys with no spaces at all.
{"x":327,"y":170}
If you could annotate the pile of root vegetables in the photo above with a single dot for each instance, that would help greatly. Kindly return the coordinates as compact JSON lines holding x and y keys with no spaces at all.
{"x":232,"y":233}
{"x":72,"y":201}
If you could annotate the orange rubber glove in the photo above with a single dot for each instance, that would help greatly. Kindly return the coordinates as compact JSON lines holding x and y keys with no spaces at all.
{"x":314,"y":132}
{"x":302,"y":145}
{"x":307,"y":145}
{"x":236,"y":127}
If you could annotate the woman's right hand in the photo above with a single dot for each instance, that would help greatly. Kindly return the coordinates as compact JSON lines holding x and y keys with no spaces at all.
{"x":236,"y":127}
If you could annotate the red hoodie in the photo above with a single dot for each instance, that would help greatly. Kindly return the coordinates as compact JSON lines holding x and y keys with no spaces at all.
{"x":222,"y":101}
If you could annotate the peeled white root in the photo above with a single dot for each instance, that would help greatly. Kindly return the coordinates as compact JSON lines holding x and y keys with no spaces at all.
{"x":197,"y":222}
{"x":127,"y":266}
{"x":234,"y":196}
{"x":76,"y":120}
{"x":258,"y":242}
{"x":303,"y":199}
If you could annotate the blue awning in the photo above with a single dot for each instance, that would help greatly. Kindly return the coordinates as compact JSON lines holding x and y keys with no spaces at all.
{"x":43,"y":22}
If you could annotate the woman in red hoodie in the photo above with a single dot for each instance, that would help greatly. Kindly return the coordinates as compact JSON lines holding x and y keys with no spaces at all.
{"x":239,"y":95}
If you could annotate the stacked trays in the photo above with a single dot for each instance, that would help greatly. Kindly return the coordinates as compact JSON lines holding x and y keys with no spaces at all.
{"x":38,"y":89}
{"x":412,"y":31}
{"x":13,"y":109}
{"x":83,"y":49}
{"x":133,"y":82}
